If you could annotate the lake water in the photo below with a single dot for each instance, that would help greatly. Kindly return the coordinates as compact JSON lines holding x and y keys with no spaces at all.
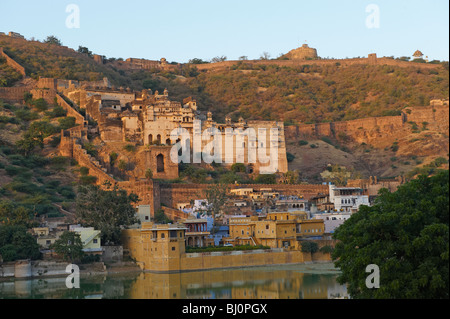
{"x":312,"y":281}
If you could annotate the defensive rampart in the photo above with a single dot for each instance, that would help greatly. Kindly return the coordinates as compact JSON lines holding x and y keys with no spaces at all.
{"x":367,"y":129}
{"x":79,"y":119}
{"x":13,"y":94}
{"x":342,"y":62}
{"x":16,"y":66}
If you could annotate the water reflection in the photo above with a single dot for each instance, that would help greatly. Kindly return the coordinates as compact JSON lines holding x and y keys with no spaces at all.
{"x":283,"y":282}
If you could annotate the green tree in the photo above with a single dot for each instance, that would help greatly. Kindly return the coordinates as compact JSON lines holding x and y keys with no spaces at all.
{"x":148,"y":174}
{"x":161,"y":218}
{"x":219,"y":59}
{"x":338,"y":175}
{"x":39,"y":104}
{"x":67,"y":122}
{"x":84,"y":170}
{"x":238,"y":168}
{"x":290,"y":157}
{"x":84,"y":50}
{"x":51,"y":39}
{"x":130,"y":148}
{"x":265,"y":56}
{"x":216,"y":195}
{"x":27,"y":97}
{"x":266,"y":179}
{"x":12,"y":215}
{"x":197,"y":61}
{"x":34,"y":136}
{"x":310,"y":247}
{"x":106,"y":210}
{"x":405,"y":233}
{"x":112,"y":157}
{"x":16,"y":243}
{"x":122,"y":165}
{"x":292,"y":177}
{"x":69,"y":246}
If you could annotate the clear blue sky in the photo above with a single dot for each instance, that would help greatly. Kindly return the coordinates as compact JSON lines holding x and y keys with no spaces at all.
{"x":180,"y":30}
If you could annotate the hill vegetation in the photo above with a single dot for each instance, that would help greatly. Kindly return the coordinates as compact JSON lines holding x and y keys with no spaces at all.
{"x":56,"y":61}
{"x":309,"y":93}
{"x":31,"y":181}
{"x":293,"y":94}
{"x":8,"y":75}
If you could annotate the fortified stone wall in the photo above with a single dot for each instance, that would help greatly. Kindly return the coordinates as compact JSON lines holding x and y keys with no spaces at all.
{"x":171,"y":194}
{"x":45,"y":89}
{"x":372,"y":60}
{"x":79,"y":119}
{"x":233,"y":259}
{"x":157,"y":195}
{"x":12,"y":63}
{"x":171,"y":261}
{"x":95,"y":169}
{"x":148,"y":192}
{"x":70,"y":146}
{"x":174,"y":214}
{"x":110,"y":129}
{"x":436,"y":116}
{"x":367,"y":129}
{"x":13,"y":94}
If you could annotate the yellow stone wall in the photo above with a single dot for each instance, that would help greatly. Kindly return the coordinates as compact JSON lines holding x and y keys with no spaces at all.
{"x":160,"y":257}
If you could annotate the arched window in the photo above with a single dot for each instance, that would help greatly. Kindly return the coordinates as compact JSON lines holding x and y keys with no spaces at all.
{"x":158,"y":138}
{"x":160,"y":163}
{"x":150,"y":138}
{"x":168,"y":141}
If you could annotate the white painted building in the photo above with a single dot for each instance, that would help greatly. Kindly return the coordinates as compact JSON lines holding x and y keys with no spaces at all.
{"x":332,"y":220}
{"x":347,"y":199}
{"x":144,"y":213}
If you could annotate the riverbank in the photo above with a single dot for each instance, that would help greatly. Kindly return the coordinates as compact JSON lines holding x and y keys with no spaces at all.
{"x":49,"y":269}
{"x":299,"y":281}
{"x":26,"y":269}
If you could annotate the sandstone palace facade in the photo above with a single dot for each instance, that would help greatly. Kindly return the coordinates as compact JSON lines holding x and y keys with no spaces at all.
{"x":150,"y":118}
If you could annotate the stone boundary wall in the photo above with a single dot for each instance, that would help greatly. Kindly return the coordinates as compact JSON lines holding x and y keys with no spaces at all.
{"x":360,"y":130}
{"x":171,"y":194}
{"x":232,"y":259}
{"x":79,"y":119}
{"x":174,"y":214}
{"x":13,"y":94}
{"x":13,"y":63}
{"x":293,"y":63}
{"x":112,"y":253}
{"x":27,"y":269}
{"x":167,"y":195}
{"x":237,"y":259}
{"x":95,"y":169}
{"x":437,"y":116}
{"x":40,"y":268}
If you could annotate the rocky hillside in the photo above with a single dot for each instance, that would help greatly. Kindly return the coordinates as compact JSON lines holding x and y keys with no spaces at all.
{"x":298,"y":95}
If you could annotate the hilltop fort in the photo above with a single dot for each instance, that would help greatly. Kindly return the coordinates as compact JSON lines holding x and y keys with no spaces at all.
{"x":144,"y":119}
